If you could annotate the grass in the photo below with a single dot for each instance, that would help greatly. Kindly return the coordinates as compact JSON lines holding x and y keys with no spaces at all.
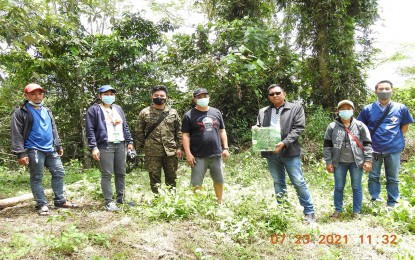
{"x":188,"y":226}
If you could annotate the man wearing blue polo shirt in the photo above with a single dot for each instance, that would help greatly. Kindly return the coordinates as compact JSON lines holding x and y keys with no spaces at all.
{"x":387,"y":140}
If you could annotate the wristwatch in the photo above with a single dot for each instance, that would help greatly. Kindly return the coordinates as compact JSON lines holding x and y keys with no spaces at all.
{"x":226,"y":148}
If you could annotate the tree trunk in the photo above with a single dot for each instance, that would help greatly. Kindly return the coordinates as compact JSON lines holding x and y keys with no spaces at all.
{"x":10,"y":202}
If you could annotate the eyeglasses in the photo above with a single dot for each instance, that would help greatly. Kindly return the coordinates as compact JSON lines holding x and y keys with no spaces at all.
{"x":274,"y":94}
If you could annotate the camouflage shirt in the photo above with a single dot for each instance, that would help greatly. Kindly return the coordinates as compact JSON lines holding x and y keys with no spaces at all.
{"x":165,"y":138}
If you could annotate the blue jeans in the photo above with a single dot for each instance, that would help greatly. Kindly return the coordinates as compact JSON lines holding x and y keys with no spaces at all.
{"x":392,"y":163}
{"x":356,"y":174}
{"x":37,"y":162}
{"x":277,"y":166}
{"x":113,"y":160}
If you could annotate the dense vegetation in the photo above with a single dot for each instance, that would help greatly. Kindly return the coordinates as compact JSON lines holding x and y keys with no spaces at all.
{"x":72,"y":47}
{"x":185,"y":226}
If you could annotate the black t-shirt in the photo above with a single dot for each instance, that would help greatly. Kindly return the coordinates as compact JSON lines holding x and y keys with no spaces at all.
{"x":203,"y":128}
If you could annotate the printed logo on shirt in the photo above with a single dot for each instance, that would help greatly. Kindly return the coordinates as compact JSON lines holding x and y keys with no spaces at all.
{"x":208,"y":124}
{"x":394,"y":120}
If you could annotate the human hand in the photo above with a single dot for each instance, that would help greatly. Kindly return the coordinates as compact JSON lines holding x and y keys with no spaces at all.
{"x":225,"y":154}
{"x":95,"y":154}
{"x":23,"y":161}
{"x":279,"y":147}
{"x":130,"y":147}
{"x":367,"y":166}
{"x":330,"y":168}
{"x":60,"y":152}
{"x":191,"y":160}
{"x":179,"y":153}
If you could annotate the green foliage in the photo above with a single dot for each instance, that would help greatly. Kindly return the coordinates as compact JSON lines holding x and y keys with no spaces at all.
{"x":236,"y":67}
{"x":68,"y":242}
{"x":327,"y":33}
{"x":317,"y":120}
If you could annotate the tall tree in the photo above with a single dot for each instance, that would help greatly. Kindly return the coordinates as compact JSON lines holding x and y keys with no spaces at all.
{"x":334,"y":39}
{"x":46,"y":42}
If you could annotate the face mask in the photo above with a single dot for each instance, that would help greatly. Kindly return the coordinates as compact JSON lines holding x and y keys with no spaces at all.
{"x":202,"y":102}
{"x":108,"y":99}
{"x":35,"y":104}
{"x":346,"y":114}
{"x":384,"y":95}
{"x":159,"y":101}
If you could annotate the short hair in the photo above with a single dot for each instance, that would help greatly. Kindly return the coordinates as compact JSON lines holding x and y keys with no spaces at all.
{"x":383,"y":81}
{"x":276,"y":85}
{"x":159,"y":88}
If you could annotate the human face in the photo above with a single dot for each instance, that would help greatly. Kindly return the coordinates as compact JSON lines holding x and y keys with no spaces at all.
{"x":35,"y":96}
{"x":384,"y":92}
{"x":276,"y":96}
{"x":346,"y":107}
{"x":159,"y":94}
{"x":107,"y":93}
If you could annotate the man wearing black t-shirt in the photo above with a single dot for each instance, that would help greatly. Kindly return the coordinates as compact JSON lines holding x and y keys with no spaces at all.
{"x":205,"y":142}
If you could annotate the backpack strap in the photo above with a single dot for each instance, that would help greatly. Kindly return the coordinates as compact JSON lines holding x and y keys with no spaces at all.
{"x":381,"y":119}
{"x":161,"y":118}
{"x":355,"y":138}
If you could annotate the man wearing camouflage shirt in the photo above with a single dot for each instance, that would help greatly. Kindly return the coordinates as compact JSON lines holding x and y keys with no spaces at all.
{"x":161,"y":143}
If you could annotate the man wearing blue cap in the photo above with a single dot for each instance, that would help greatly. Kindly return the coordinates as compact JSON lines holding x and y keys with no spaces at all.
{"x":205,"y":142}
{"x":108,"y":135}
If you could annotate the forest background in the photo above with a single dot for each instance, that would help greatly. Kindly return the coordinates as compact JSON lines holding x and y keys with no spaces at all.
{"x":320,"y":51}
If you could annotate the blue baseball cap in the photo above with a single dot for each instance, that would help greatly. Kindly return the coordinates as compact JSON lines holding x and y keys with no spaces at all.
{"x":105,"y":88}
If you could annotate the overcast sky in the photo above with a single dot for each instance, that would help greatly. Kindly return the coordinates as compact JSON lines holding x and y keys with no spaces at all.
{"x":395,"y":32}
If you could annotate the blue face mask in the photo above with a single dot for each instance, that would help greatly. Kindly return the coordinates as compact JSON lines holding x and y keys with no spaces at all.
{"x":346,"y":114}
{"x":108,"y":99}
{"x":202,"y":102}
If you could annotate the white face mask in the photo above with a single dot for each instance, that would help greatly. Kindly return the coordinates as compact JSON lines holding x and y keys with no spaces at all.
{"x":346,"y":114}
{"x":202,"y":102}
{"x":108,"y":99}
{"x":35,"y":104}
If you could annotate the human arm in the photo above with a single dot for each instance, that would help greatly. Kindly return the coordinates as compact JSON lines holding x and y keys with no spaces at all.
{"x":190,"y":159}
{"x":328,"y":148}
{"x":90,"y":125}
{"x":292,"y":124}
{"x":367,"y":146}
{"x":178,"y":135}
{"x":405,"y":128}
{"x":224,"y":140}
{"x":141,"y":128}
{"x":17,"y":139}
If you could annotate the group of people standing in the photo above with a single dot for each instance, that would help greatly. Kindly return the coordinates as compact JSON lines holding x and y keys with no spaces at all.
{"x":375,"y":138}
{"x":162,"y":137}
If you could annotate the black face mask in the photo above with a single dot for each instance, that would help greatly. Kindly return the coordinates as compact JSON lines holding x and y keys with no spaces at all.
{"x":159,"y":101}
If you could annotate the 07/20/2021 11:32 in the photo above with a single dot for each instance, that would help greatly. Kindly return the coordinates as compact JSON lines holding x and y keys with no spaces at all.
{"x":334,"y":239}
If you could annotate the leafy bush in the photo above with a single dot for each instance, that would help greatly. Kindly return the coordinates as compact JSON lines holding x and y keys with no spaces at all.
{"x":317,"y":120}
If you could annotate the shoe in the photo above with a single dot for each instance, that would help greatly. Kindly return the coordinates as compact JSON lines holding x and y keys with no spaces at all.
{"x":130,"y":203}
{"x":335,"y":215}
{"x":356,"y":215}
{"x":43,"y":210}
{"x":310,"y":218}
{"x":112,"y":207}
{"x":374,"y":202}
{"x":67,"y":205}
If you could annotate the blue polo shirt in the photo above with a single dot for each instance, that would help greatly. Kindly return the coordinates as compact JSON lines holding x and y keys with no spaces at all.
{"x":388,"y":138}
{"x":41,"y":136}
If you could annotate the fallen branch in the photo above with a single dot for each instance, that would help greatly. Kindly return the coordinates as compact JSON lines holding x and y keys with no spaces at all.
{"x":10,"y":202}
